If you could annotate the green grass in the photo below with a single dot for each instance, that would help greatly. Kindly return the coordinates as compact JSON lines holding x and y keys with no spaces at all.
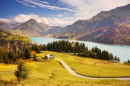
{"x":42,"y":72}
{"x":95,"y":68}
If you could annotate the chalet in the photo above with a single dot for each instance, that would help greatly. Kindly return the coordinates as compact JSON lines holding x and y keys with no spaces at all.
{"x":49,"y":57}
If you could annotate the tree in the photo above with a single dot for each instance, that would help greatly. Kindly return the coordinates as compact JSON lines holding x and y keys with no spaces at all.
{"x":118,"y":59}
{"x":115,"y":58}
{"x":74,"y":52}
{"x":1,"y":55}
{"x":22,"y":71}
{"x":11,"y":56}
{"x":5,"y":57}
{"x":78,"y":53}
{"x":38,"y":49}
{"x":111,"y":56}
{"x":128,"y":61}
{"x":27,"y":53}
{"x":34,"y":56}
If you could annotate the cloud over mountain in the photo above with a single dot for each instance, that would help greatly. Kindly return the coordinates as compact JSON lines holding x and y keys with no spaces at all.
{"x":21,"y":18}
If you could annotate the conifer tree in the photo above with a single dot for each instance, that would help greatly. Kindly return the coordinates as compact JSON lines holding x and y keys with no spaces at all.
{"x":128,"y":61}
{"x":34,"y":57}
{"x":27,"y":53}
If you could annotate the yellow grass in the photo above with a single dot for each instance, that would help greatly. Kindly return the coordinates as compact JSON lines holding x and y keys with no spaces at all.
{"x":41,"y":74}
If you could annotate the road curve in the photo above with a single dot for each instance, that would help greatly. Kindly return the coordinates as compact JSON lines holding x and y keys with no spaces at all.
{"x":78,"y":75}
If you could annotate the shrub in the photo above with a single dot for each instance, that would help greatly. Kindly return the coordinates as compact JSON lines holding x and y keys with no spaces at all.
{"x":22,"y":71}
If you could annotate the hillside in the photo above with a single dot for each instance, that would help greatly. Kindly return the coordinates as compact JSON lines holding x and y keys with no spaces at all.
{"x":115,"y":16}
{"x":13,"y":43}
{"x":112,"y":34}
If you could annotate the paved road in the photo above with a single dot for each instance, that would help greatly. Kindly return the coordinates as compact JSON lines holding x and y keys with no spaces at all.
{"x":73,"y":73}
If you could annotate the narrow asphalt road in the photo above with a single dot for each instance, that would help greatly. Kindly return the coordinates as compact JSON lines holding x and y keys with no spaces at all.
{"x":73,"y":73}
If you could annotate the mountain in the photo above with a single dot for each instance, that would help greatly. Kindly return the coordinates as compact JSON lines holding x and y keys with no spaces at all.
{"x":112,"y":34}
{"x":31,"y":28}
{"x":54,"y":30}
{"x":124,"y":11}
{"x":87,"y":30}
{"x":4,"y":25}
{"x":104,"y":18}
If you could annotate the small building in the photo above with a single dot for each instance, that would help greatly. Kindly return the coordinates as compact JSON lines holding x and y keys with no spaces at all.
{"x":49,"y":57}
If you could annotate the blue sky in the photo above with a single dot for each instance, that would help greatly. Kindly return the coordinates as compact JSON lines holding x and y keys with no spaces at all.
{"x":54,"y":12}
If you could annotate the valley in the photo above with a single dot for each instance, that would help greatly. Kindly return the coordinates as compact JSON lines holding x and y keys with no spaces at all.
{"x":42,"y":71}
{"x":64,"y":43}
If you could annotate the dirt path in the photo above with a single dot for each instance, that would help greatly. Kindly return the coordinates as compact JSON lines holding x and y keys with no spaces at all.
{"x":73,"y":73}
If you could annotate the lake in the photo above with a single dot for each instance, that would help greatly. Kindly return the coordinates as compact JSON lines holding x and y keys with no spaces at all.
{"x":123,"y":52}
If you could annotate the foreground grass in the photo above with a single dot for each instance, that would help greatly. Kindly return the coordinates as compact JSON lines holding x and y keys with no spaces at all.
{"x":42,"y":72}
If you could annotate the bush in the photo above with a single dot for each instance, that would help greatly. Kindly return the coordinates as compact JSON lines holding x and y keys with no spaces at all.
{"x":22,"y":71}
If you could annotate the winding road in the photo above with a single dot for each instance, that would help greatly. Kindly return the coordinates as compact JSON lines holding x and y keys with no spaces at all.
{"x":78,"y":75}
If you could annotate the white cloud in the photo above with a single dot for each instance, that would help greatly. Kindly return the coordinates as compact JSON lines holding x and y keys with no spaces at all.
{"x":89,"y":8}
{"x":21,"y":18}
{"x":59,"y":15}
{"x":42,"y":4}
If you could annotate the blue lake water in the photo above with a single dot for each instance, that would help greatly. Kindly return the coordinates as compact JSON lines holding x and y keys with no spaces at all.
{"x":123,"y":52}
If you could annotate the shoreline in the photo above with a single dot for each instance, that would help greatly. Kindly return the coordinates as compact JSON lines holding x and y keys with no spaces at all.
{"x":84,"y":41}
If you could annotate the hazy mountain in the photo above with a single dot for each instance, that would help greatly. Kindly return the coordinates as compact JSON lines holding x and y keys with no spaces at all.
{"x":54,"y":30}
{"x":16,"y":25}
{"x":31,"y":28}
{"x":124,"y":11}
{"x":4,"y":25}
{"x":112,"y":34}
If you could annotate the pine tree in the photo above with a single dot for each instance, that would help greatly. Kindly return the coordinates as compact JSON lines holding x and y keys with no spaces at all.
{"x":27,"y":53}
{"x":11,"y":56}
{"x":34,"y":56}
{"x":5,"y":57}
{"x":1,"y":55}
{"x":118,"y":59}
{"x":78,"y":53}
{"x":115,"y":58}
{"x":128,"y":61}
{"x":74,"y":52}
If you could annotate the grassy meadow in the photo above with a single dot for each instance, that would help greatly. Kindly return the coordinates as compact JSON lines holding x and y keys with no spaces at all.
{"x":41,"y":72}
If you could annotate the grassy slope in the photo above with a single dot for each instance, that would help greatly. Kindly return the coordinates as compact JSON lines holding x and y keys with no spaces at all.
{"x":41,"y":72}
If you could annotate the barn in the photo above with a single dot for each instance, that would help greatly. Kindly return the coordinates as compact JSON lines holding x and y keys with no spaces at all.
{"x":49,"y":57}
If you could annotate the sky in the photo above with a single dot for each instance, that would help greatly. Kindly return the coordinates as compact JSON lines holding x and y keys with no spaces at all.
{"x":54,"y":12}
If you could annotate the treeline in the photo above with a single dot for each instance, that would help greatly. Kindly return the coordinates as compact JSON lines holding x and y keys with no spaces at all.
{"x":11,"y":57}
{"x":58,"y":46}
{"x":80,"y":48}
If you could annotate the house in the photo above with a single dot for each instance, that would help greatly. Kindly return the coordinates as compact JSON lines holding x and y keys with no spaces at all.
{"x":49,"y":57}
